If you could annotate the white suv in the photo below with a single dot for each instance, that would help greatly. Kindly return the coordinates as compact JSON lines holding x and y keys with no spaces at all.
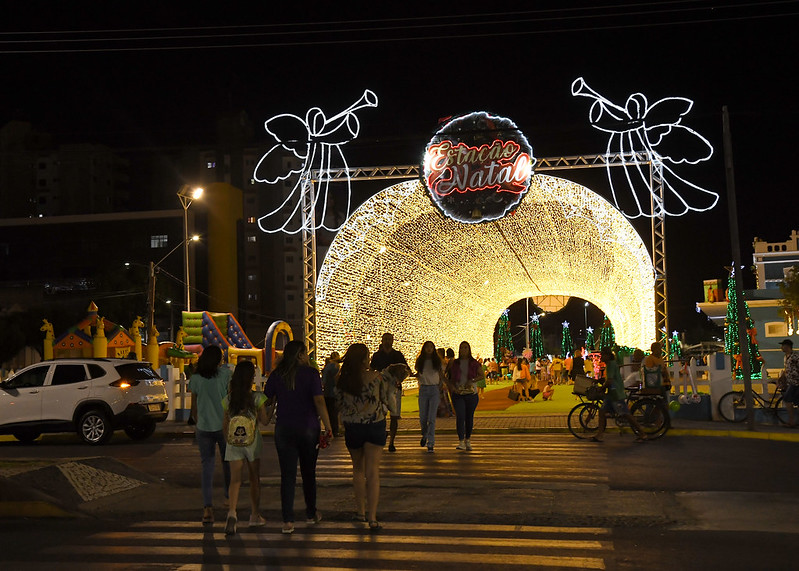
{"x":92,"y":396}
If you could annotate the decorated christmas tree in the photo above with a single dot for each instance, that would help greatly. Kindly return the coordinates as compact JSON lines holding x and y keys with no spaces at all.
{"x":607,"y":337}
{"x":566,"y":343}
{"x":732,"y":344}
{"x":675,"y":348}
{"x":536,"y":340}
{"x":589,"y":339}
{"x":504,"y":337}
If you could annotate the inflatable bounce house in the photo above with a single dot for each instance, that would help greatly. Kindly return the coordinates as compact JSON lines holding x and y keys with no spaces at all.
{"x":203,"y":328}
{"x":93,"y":336}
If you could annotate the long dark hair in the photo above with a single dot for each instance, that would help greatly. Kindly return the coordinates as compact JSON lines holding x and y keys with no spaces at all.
{"x":423,"y":357}
{"x":350,"y":377}
{"x":240,"y":400}
{"x":289,"y":363}
{"x":209,"y":361}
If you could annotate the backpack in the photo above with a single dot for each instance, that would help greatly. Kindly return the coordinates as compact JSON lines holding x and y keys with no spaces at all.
{"x":241,"y":430}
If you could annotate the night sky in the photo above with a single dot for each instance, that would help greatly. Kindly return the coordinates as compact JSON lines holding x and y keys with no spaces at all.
{"x":158,"y":75}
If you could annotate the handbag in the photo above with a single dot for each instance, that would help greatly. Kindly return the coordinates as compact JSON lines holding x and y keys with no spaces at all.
{"x":513,"y":394}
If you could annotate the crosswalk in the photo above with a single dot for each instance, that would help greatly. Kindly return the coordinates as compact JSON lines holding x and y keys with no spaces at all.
{"x":497,"y":459}
{"x":423,"y":528}
{"x":339,"y":545}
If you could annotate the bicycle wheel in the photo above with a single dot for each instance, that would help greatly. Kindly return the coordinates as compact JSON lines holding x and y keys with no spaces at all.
{"x":780,"y":411}
{"x":732,"y":406}
{"x":584,"y":420}
{"x":652,"y":416}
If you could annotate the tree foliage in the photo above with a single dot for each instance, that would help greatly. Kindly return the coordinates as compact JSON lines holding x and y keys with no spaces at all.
{"x":789,"y":289}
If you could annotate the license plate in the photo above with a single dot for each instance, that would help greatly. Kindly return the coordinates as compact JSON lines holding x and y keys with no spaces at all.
{"x":154,"y":407}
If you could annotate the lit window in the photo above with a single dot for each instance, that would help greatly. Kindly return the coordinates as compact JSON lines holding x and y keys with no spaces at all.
{"x":159,"y":241}
{"x":210,"y":165}
{"x":252,"y":239}
{"x":252,"y":277}
{"x":251,"y":220}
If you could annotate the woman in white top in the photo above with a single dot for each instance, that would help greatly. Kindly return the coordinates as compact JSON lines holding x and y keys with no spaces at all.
{"x":429,"y":372}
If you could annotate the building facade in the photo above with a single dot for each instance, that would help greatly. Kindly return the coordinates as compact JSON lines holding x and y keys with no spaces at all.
{"x":771,"y":262}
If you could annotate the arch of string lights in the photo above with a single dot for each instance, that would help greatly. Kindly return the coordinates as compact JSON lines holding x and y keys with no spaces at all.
{"x":398,"y":265}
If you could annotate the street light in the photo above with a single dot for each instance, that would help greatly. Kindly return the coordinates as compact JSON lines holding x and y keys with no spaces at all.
{"x":585,"y":310}
{"x":151,"y":292}
{"x":187,"y":195}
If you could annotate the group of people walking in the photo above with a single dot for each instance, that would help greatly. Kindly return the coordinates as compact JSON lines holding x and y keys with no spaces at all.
{"x":363,"y":391}
{"x":227,"y":412}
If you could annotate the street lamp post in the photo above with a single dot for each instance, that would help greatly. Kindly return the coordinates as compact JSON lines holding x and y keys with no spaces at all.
{"x":151,"y":289}
{"x":187,"y":195}
{"x":585,"y":311}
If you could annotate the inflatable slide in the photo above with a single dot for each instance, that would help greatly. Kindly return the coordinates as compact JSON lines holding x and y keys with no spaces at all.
{"x":204,"y":328}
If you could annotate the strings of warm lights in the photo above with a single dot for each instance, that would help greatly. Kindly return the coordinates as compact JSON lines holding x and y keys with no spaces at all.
{"x":398,"y":265}
{"x":640,"y":127}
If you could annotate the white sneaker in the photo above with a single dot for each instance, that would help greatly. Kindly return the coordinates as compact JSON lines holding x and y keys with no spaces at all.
{"x":461,"y":445}
{"x":468,"y":445}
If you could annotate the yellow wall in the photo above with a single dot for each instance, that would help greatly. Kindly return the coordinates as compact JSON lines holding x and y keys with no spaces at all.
{"x":225,"y":209}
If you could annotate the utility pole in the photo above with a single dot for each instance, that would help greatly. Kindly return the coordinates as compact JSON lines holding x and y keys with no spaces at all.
{"x":743,"y":336}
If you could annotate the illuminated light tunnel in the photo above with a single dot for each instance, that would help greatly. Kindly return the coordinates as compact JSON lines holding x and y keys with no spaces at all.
{"x":398,"y":265}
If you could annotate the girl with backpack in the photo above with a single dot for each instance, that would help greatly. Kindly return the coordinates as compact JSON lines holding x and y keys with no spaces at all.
{"x":297,"y":388}
{"x":244,"y":409}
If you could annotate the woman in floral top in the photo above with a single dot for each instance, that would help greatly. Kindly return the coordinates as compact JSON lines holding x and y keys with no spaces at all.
{"x":361,"y":395}
{"x":462,"y":376}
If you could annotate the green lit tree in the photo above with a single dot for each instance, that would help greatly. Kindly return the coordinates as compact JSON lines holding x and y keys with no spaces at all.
{"x":566,"y":343}
{"x":607,"y":337}
{"x":504,"y":337}
{"x":675,"y":348}
{"x":732,"y":343}
{"x":536,"y":341}
{"x":589,"y":338}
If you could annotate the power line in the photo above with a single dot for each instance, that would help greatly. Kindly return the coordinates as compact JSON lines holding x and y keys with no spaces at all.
{"x":428,"y":23}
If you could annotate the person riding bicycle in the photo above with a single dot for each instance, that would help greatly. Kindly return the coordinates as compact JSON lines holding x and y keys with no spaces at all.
{"x":614,"y":401}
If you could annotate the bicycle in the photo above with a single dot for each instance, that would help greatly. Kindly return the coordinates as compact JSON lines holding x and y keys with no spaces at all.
{"x":648,"y":409}
{"x":732,"y":406}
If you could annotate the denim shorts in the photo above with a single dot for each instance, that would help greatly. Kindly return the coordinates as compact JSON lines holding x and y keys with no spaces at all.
{"x":791,"y":394}
{"x":356,"y":434}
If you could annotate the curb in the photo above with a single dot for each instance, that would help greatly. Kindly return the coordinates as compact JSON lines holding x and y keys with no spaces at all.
{"x":32,"y":509}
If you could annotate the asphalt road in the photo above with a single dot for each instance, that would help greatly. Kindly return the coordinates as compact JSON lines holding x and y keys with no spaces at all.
{"x":516,"y":501}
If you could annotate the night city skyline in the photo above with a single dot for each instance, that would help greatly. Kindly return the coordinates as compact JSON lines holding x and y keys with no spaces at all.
{"x":159,"y":79}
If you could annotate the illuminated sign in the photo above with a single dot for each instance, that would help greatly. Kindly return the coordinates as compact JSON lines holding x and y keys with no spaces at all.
{"x":477,"y":167}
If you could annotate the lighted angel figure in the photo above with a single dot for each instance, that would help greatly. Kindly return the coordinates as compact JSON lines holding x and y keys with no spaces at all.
{"x":655,"y":131}
{"x":316,"y":141}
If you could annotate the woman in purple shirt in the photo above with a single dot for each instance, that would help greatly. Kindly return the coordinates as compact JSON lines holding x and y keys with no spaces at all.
{"x":297,"y":388}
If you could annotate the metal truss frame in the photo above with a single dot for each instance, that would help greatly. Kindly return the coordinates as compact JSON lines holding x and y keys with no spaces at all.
{"x":308,"y":213}
{"x":404,"y":172}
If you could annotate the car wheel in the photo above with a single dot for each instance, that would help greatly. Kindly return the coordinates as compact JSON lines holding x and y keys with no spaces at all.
{"x":141,"y":429}
{"x":94,"y":428}
{"x":27,"y":436}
